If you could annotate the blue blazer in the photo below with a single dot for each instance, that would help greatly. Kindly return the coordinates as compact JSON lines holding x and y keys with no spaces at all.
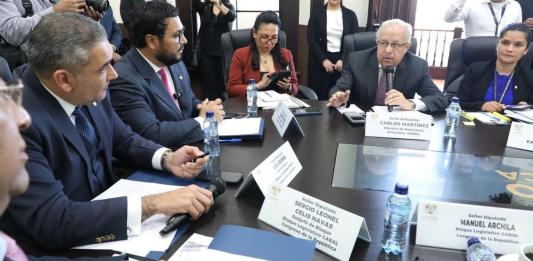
{"x":56,"y":211}
{"x":141,"y":100}
{"x":114,"y":34}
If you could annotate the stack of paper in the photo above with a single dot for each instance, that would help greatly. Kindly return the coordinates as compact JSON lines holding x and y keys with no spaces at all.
{"x":351,"y":109}
{"x":241,"y":128}
{"x":270,"y":99}
{"x":523,"y":116}
{"x":489,"y":118}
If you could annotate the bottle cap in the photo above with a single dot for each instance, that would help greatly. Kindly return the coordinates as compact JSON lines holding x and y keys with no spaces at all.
{"x":472,"y":240}
{"x":251,"y":81}
{"x":401,"y":189}
{"x":455,"y":99}
{"x":209,"y":114}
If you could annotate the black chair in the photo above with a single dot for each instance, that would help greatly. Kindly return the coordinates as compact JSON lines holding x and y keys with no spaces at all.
{"x":236,"y":39}
{"x":463,"y":52}
{"x":365,"y":40}
{"x":5,"y":72}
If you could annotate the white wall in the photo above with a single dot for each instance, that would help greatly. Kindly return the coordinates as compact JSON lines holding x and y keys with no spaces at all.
{"x":360,"y":7}
{"x":115,"y":4}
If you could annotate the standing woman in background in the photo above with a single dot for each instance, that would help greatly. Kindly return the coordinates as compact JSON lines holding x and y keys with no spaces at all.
{"x":216,"y":18}
{"x":327,"y":27}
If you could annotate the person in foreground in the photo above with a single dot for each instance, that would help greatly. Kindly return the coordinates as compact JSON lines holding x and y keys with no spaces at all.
{"x":363,"y":81}
{"x":261,"y":59}
{"x":74,"y":135}
{"x":492,"y":85}
{"x":152,"y":93}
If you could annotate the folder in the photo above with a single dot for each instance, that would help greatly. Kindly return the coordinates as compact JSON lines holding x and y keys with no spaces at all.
{"x":262,"y":244}
{"x":245,"y":128}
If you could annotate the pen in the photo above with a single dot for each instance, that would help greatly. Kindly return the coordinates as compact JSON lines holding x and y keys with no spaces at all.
{"x":201,"y":156}
{"x":230,"y":141}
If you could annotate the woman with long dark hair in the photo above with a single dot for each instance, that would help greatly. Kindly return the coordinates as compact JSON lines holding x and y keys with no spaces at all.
{"x":261,"y":59}
{"x":216,"y":18}
{"x":325,"y":32}
{"x":492,"y":86}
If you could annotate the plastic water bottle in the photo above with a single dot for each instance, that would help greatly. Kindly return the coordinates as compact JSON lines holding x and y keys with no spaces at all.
{"x":398,"y":209}
{"x":478,"y":252}
{"x":251,"y":98}
{"x":453,"y":113}
{"x":211,"y":135}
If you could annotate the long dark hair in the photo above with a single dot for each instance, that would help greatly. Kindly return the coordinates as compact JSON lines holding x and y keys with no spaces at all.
{"x":267,"y":17}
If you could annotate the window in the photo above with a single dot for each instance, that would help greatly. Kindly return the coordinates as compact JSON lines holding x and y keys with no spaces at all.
{"x":247,"y":11}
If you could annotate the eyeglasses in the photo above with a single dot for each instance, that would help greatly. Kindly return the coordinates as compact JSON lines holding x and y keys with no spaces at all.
{"x":264,"y":39}
{"x":12,"y":92}
{"x":395,"y":46}
{"x":177,"y":36}
{"x":506,"y":43}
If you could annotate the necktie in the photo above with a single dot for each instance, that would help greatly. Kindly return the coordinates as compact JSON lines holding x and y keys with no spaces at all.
{"x":381,"y":90}
{"x":13,"y":251}
{"x":84,"y":126}
{"x":164,"y":79}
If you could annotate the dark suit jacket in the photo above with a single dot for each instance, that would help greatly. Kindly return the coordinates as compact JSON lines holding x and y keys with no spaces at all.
{"x":56,"y":212}
{"x":478,"y":76}
{"x":360,"y":76}
{"x":317,"y":32}
{"x":141,"y":100}
{"x":114,"y":35}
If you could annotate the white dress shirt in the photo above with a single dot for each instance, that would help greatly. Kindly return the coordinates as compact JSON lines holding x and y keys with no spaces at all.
{"x":334,"y":30}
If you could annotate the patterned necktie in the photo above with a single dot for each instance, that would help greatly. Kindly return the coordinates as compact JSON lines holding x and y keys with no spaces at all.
{"x":164,"y":79}
{"x":381,"y":89}
{"x":13,"y":251}
{"x":84,"y":126}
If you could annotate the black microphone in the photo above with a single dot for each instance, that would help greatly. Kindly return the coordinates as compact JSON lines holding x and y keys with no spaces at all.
{"x":389,"y":76}
{"x":217,"y":187}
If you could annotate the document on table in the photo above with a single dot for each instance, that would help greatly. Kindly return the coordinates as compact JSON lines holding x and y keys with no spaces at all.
{"x":352,"y":109}
{"x":525,"y":116}
{"x":270,"y":99}
{"x":488,"y":118}
{"x":195,"y":248}
{"x":149,"y":239}
{"x":240,"y":127}
{"x":385,"y":109}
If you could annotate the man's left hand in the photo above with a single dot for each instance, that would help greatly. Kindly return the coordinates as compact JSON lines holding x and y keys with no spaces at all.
{"x":180,"y":162}
{"x":214,"y":106}
{"x":394,"y":97}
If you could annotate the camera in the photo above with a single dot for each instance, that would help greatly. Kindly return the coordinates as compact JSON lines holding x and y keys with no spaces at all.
{"x":98,"y":5}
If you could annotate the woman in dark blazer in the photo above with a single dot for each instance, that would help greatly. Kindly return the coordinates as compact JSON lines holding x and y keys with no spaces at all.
{"x":325,"y":33}
{"x":512,"y":74}
{"x":216,"y":18}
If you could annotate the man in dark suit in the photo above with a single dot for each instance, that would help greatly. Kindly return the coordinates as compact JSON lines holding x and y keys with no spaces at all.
{"x":363,"y":81}
{"x":74,"y":135}
{"x":153,"y":92}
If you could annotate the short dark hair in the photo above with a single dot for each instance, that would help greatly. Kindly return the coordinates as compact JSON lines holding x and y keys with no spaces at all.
{"x":63,"y":41}
{"x":520,"y":27}
{"x":267,"y":17}
{"x":149,"y":18}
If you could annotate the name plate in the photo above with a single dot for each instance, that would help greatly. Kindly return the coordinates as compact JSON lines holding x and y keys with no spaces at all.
{"x":521,"y":136}
{"x":398,"y":125}
{"x":284,"y":119}
{"x":449,"y":225}
{"x":279,"y":167}
{"x":333,"y":229}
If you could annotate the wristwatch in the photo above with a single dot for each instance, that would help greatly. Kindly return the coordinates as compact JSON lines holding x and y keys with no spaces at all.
{"x":164,"y":157}
{"x":413,"y":105}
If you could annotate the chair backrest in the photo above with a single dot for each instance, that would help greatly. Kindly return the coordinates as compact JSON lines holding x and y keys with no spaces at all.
{"x":5,"y":72}
{"x":236,"y":39}
{"x":364,"y":40}
{"x":464,"y":52}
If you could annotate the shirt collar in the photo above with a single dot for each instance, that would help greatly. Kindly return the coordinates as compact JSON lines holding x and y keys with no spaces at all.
{"x":489,"y":1}
{"x":67,"y":106}
{"x":154,"y":67}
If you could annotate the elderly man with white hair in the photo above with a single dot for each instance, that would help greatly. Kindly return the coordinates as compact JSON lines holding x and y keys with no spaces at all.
{"x":363,"y":79}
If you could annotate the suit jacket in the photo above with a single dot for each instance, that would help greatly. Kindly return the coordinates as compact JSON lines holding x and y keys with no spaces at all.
{"x":114,"y":35}
{"x":241,"y":70}
{"x":56,"y":211}
{"x":360,"y":76}
{"x":141,"y":100}
{"x":317,"y":32}
{"x":479,"y":75}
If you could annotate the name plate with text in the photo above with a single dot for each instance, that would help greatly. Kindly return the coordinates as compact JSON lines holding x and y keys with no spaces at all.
{"x":411,"y":125}
{"x":285,"y":122}
{"x":449,"y":225}
{"x":333,"y":229}
{"x":521,"y":136}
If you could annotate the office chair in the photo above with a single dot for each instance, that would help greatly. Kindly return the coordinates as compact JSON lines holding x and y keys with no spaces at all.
{"x":463,"y":52}
{"x":365,"y":40}
{"x":5,"y":72}
{"x":236,"y":39}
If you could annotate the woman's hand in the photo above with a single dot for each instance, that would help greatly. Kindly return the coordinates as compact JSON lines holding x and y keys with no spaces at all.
{"x":265,"y":81}
{"x":492,"y":106}
{"x":284,"y":85}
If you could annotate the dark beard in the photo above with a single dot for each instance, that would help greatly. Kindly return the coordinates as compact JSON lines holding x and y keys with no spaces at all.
{"x":166,"y":59}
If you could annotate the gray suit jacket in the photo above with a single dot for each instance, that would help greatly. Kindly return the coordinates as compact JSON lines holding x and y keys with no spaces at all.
{"x":360,"y":76}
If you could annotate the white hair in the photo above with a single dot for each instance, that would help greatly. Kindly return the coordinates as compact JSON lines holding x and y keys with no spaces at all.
{"x":407,"y":26}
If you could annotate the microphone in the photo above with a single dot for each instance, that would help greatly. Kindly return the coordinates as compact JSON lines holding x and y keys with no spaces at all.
{"x":177,"y":95}
{"x":389,"y":76}
{"x":217,"y":187}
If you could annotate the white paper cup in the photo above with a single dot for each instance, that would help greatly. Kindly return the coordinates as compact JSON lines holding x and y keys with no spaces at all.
{"x":527,"y":248}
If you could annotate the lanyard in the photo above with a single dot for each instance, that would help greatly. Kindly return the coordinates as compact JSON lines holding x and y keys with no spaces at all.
{"x":496,"y":22}
{"x":504,"y":89}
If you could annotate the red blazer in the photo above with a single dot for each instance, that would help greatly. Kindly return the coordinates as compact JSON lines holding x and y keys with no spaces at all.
{"x":241,"y":70}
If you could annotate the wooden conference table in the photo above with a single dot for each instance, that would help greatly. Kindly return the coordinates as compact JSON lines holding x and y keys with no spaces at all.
{"x":316,"y":152}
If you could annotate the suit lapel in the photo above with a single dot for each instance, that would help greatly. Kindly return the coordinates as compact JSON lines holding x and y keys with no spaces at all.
{"x":152,"y":79}
{"x":100,"y":126}
{"x":177,"y":78}
{"x":401,"y":75}
{"x":372,"y":71}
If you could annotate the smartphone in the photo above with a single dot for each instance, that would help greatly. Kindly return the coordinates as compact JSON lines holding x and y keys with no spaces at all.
{"x":306,"y":111}
{"x":280,"y":75}
{"x":355,"y":118}
{"x":227,"y":176}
